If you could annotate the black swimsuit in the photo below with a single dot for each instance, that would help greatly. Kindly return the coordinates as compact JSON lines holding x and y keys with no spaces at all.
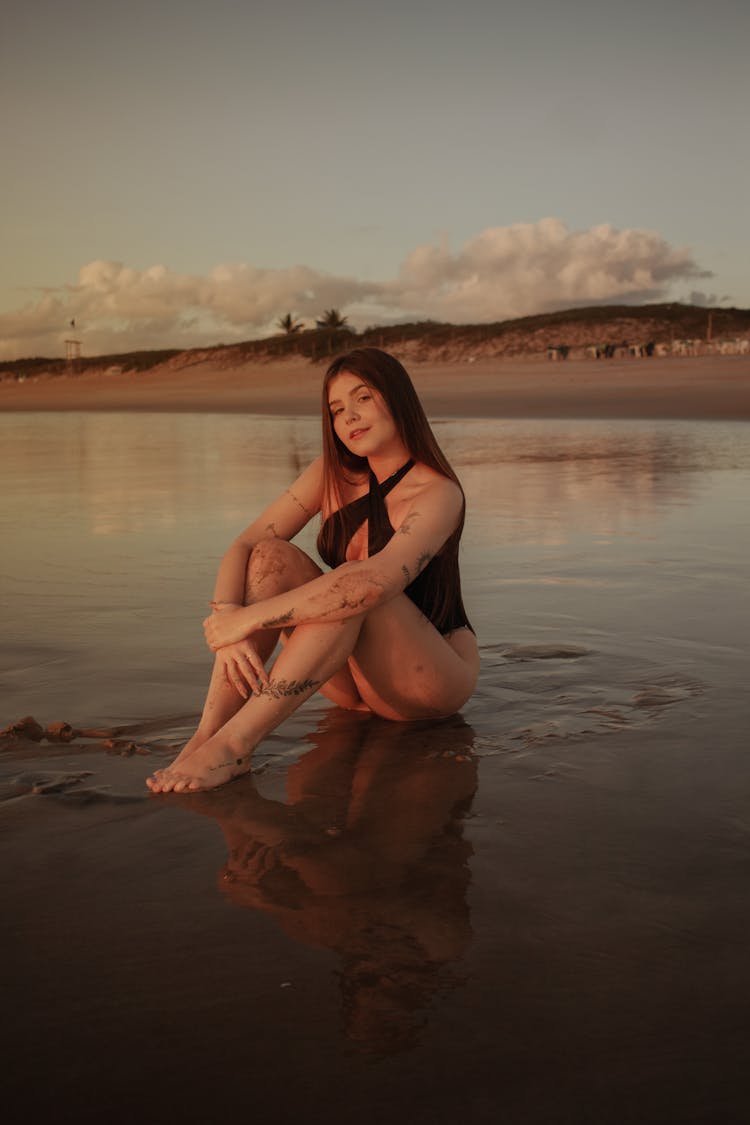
{"x":430,"y":589}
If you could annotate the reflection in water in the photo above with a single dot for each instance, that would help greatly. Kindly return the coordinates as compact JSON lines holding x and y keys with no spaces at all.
{"x":130,"y":473}
{"x":365,"y":858}
{"x":127,"y":474}
{"x":547,"y":484}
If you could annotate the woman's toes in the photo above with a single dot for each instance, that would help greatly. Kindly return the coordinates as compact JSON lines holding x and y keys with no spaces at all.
{"x":156,"y":781}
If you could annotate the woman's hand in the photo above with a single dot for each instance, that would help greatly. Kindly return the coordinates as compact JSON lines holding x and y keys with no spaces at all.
{"x":243,"y":667}
{"x":225,"y":626}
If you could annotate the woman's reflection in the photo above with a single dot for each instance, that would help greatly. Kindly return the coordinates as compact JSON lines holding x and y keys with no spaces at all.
{"x":366,"y":858}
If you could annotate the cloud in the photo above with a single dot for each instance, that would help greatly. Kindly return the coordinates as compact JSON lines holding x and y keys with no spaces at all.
{"x":118,"y":308}
{"x":500,"y":273}
{"x":534,"y":267}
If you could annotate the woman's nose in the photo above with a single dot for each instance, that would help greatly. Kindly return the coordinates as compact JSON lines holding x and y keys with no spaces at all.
{"x":351,"y":414}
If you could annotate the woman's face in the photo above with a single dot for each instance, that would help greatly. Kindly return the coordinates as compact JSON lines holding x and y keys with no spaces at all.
{"x":361,"y":419}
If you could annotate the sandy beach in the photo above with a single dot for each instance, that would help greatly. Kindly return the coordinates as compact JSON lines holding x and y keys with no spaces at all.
{"x":711,"y":387}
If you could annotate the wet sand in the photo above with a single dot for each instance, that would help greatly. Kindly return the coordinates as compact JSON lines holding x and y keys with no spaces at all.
{"x":361,"y":929}
{"x":711,"y":387}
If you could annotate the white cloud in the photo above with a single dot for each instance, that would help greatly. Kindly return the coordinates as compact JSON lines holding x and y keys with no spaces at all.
{"x":533,"y":267}
{"x":500,"y":273}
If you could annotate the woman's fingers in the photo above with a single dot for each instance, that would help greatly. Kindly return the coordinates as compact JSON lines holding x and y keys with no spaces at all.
{"x":236,"y":681}
{"x":248,"y":672}
{"x":244,"y":669}
{"x":254,"y":661}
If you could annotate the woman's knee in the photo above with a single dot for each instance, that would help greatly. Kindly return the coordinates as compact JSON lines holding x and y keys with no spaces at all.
{"x":274,"y":566}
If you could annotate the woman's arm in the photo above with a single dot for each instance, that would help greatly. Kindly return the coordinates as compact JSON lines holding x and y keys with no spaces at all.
{"x":282,"y":519}
{"x":354,"y":587}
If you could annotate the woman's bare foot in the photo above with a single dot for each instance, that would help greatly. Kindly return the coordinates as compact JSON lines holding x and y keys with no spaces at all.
{"x":193,"y":743}
{"x":209,"y":765}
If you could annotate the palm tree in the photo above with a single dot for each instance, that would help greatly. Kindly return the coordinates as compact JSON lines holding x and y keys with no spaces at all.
{"x":332,"y":320}
{"x":289,"y":324}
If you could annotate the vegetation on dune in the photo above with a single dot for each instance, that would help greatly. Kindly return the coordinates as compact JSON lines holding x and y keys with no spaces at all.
{"x":127,"y":361}
{"x":565,"y":331}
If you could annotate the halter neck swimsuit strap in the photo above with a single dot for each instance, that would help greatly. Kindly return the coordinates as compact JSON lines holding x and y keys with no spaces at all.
{"x":392,"y":480}
{"x":379,"y":527}
{"x":341,"y":525}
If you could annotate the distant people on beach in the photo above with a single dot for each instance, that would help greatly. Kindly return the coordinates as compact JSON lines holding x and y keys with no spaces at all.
{"x":385,"y":629}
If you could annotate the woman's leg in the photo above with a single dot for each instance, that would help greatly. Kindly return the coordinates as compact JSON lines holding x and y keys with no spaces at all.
{"x":425,"y":675}
{"x":312,"y":655}
{"x":404,"y":669}
{"x":274,"y":567}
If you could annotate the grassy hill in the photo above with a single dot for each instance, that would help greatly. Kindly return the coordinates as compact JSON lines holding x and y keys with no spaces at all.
{"x":577,"y":329}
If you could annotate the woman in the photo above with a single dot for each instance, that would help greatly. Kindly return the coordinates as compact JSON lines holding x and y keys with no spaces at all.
{"x":385,"y":630}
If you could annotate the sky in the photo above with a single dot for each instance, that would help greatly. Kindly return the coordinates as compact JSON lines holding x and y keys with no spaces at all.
{"x":185,"y":174}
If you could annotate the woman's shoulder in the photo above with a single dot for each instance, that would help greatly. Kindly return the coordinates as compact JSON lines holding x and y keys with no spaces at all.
{"x":430,"y":486}
{"x":425,"y":477}
{"x":312,"y":475}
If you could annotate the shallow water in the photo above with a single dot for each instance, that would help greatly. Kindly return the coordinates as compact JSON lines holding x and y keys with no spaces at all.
{"x":628,"y":537}
{"x":539,"y":907}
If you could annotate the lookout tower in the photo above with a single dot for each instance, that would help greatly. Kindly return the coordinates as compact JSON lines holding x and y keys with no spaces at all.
{"x":72,"y":355}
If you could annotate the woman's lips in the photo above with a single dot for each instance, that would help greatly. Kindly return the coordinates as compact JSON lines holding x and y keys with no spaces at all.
{"x":358,"y":433}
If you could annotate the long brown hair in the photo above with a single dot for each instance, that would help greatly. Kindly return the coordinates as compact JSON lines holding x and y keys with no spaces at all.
{"x":440,"y":584}
{"x":385,"y":374}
